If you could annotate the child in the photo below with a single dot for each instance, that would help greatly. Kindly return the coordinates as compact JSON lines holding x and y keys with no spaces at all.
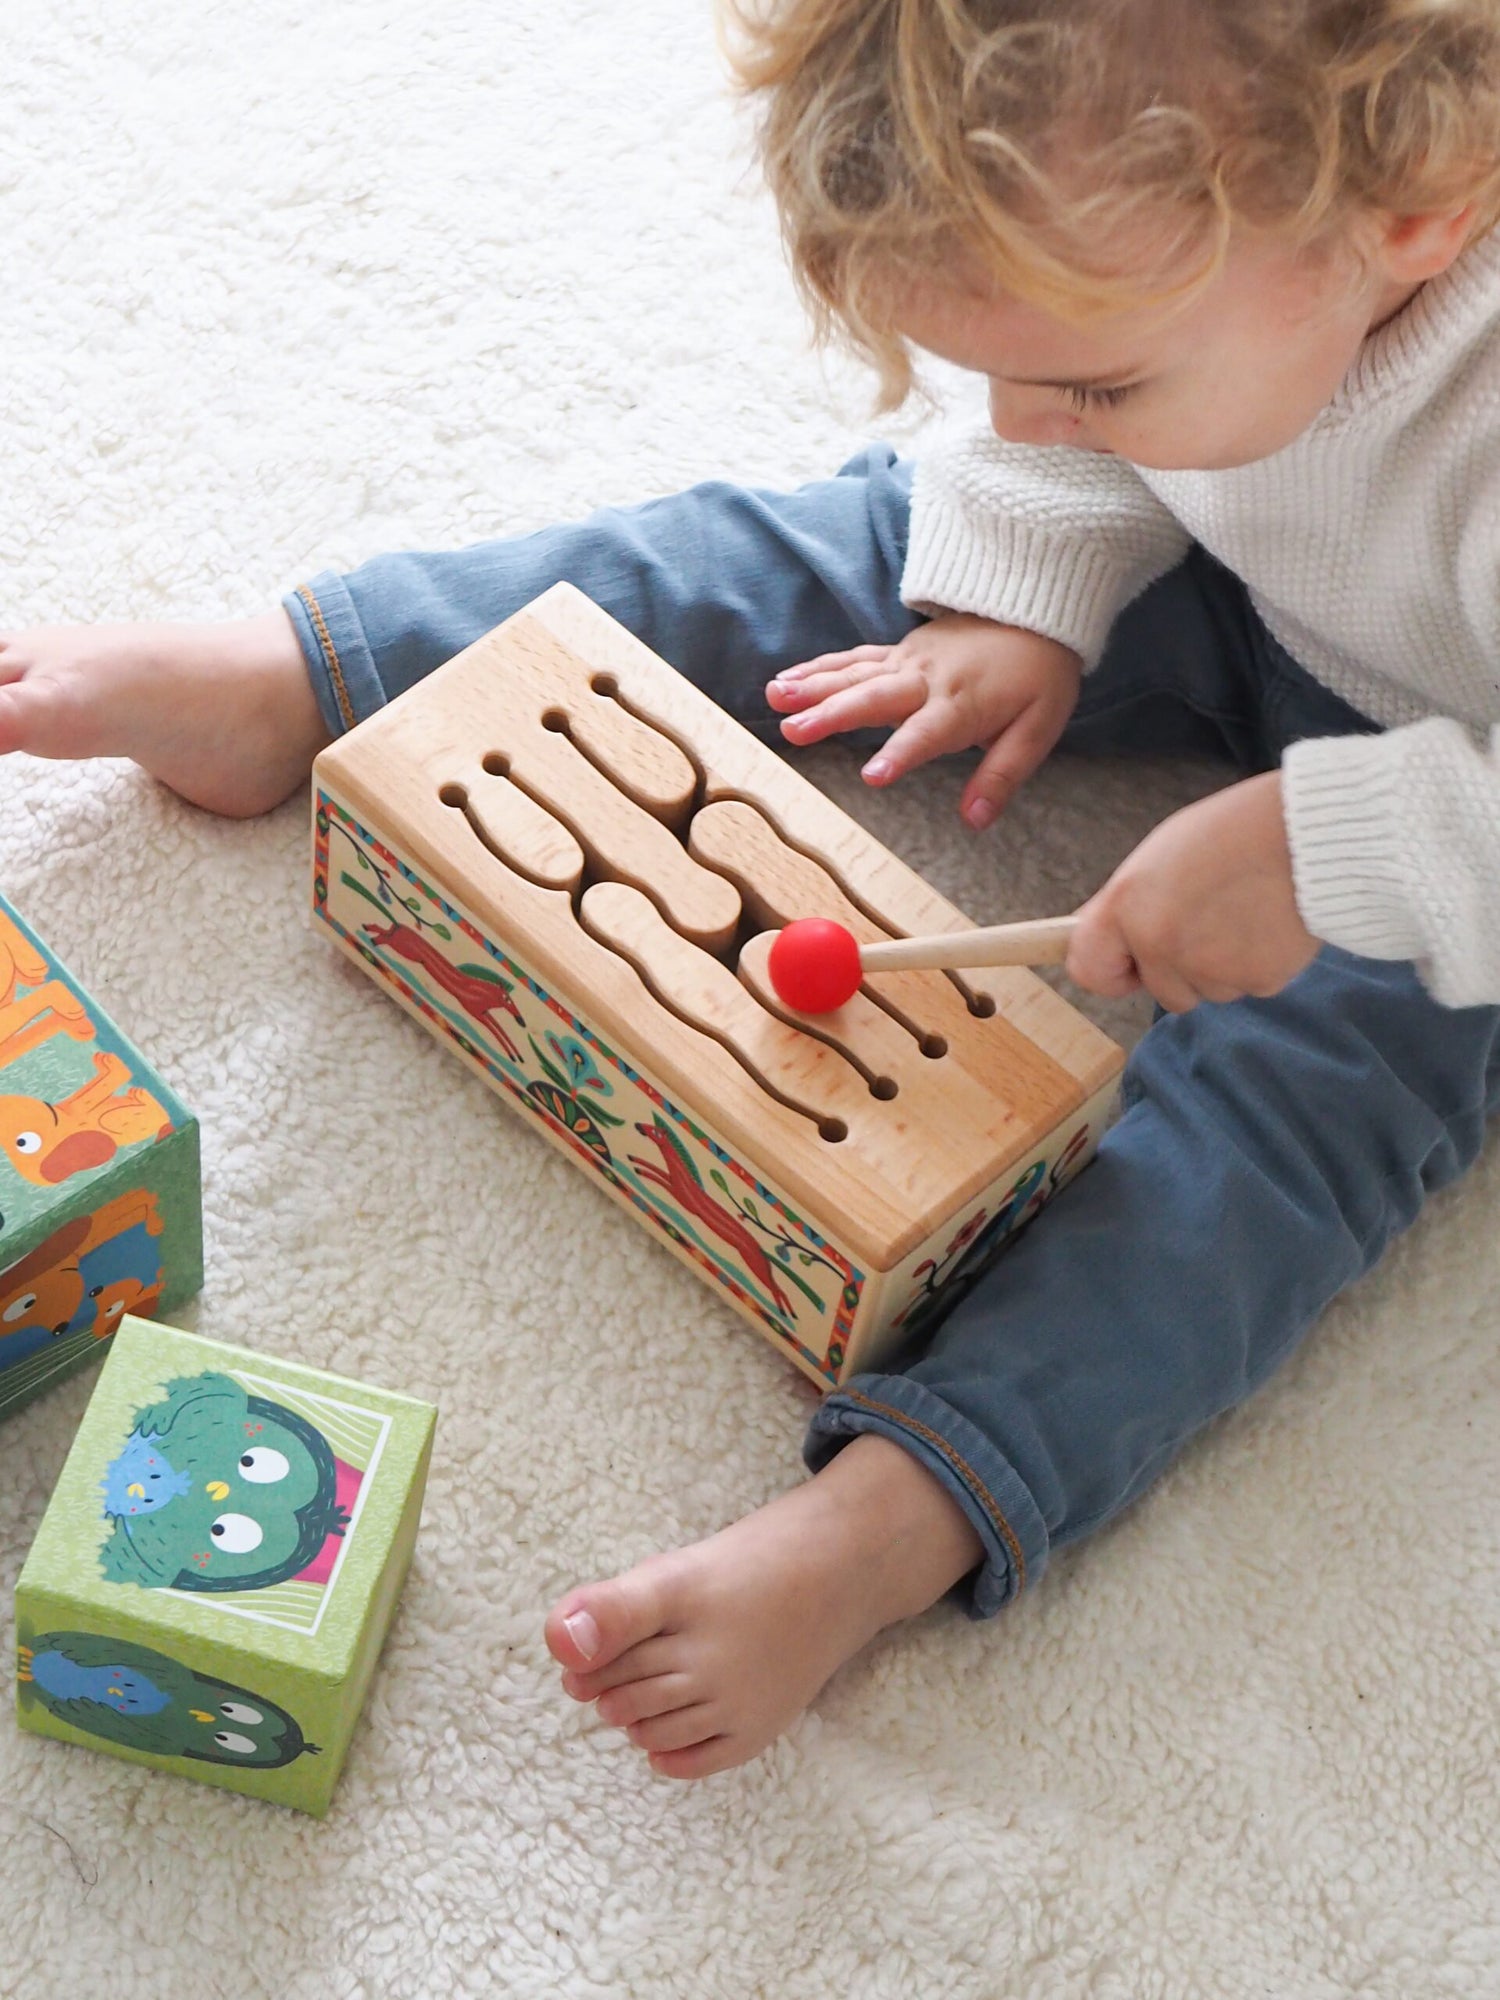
{"x":1226,"y":266}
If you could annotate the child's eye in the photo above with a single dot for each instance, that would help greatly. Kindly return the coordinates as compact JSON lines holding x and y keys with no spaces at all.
{"x":1098,"y":398}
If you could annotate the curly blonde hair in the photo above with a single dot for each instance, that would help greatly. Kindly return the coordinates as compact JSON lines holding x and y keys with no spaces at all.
{"x":1029,"y":140}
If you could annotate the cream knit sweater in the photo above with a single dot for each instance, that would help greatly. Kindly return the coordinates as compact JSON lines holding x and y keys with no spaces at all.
{"x":1371,"y":548}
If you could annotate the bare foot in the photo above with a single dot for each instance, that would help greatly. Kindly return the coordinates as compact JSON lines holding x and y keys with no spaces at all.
{"x":224,"y":714}
{"x":705,"y":1655}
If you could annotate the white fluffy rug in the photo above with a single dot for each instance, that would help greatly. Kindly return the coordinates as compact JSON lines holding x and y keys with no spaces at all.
{"x":293,"y":281}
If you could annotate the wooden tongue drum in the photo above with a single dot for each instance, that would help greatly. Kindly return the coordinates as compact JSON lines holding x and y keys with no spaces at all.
{"x":566,"y":861}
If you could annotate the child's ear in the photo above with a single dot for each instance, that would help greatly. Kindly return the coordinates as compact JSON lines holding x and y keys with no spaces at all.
{"x":1415,"y":248}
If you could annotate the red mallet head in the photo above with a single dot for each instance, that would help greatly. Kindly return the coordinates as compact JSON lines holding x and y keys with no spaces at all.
{"x":814,"y":965}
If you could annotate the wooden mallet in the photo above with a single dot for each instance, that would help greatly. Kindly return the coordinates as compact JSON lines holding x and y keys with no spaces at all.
{"x":817,"y":965}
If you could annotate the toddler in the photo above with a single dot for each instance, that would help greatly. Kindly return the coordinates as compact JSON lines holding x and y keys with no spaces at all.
{"x":1229,"y":270}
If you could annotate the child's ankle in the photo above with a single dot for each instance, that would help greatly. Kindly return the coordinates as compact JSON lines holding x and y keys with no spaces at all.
{"x":899,"y":1522}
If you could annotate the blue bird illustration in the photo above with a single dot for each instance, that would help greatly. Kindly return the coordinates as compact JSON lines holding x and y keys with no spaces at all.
{"x":141,"y":1480}
{"x":126,"y":1690}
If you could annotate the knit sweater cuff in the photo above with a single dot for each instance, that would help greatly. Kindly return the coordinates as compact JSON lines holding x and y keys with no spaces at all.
{"x":1070,"y":591}
{"x":1055,"y":542}
{"x":1345,"y":810}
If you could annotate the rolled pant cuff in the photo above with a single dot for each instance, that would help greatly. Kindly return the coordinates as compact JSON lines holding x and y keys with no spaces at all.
{"x":340,"y":664}
{"x":962,"y":1460}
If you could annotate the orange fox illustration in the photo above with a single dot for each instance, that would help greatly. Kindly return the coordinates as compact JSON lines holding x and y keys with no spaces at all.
{"x":45,"y":1290}
{"x":46,"y":1143}
{"x":49,"y":1008}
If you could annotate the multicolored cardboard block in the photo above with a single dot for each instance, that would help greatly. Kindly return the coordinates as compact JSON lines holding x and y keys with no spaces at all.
{"x":100,"y":1195}
{"x":217,"y":1570}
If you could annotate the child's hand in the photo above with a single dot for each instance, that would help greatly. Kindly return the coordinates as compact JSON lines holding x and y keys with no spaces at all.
{"x":953,"y":684}
{"x":1204,"y":909}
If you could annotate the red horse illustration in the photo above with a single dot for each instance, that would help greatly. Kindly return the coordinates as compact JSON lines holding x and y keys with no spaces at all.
{"x":679,"y":1177}
{"x":480,"y":993}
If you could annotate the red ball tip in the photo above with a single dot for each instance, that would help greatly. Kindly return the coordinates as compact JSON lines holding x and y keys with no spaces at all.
{"x":814,"y":965}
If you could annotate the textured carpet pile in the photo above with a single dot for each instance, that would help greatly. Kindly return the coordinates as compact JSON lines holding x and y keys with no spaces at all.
{"x":296,"y":281}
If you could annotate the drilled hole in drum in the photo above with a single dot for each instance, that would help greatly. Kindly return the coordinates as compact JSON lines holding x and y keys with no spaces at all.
{"x":496,"y":764}
{"x":884,"y":1087}
{"x":454,"y":795}
{"x":833,"y":1130}
{"x":933,"y":1046}
{"x":981,"y":1005}
{"x":556,"y":720}
{"x":606,"y":685}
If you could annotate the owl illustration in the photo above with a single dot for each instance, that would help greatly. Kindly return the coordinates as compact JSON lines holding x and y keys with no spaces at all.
{"x":143,"y":1700}
{"x":253,"y":1492}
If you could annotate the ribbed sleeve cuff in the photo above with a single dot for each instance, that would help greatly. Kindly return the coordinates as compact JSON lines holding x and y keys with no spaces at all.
{"x":1346,"y":816}
{"x":1071,"y":591}
{"x":1054,"y":541}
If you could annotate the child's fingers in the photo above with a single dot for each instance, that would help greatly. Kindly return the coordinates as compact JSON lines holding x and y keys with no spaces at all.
{"x":926,"y":733}
{"x":873,"y":704}
{"x":831,"y":662}
{"x":821,"y":681}
{"x":1007,"y":764}
{"x":1169,"y":988}
{"x":1099,"y":960}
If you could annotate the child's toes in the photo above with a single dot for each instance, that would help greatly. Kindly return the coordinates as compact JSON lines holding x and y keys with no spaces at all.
{"x":22,"y":714}
{"x":592,"y":1626}
{"x":699,"y":1760}
{"x":39,"y":714}
{"x":680,"y":1729}
{"x":636,"y":1663}
{"x":638,"y":1701}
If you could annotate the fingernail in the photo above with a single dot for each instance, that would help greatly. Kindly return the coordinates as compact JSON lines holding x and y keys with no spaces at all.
{"x":877,"y":770}
{"x":983,"y":813}
{"x":581,"y":1629}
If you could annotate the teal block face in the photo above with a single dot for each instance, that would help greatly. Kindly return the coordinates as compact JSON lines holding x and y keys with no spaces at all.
{"x":101,"y":1209}
{"x":216,"y":1572}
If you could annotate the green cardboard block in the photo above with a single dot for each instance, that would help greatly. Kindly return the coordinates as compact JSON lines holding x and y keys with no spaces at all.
{"x":100,"y":1203}
{"x":216,"y":1572}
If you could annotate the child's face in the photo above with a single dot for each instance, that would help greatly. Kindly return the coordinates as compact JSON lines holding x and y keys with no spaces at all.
{"x":1233,"y":376}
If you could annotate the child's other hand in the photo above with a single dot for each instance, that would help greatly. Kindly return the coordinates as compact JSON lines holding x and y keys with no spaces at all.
{"x":1203,"y":909}
{"x":954,"y":684}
